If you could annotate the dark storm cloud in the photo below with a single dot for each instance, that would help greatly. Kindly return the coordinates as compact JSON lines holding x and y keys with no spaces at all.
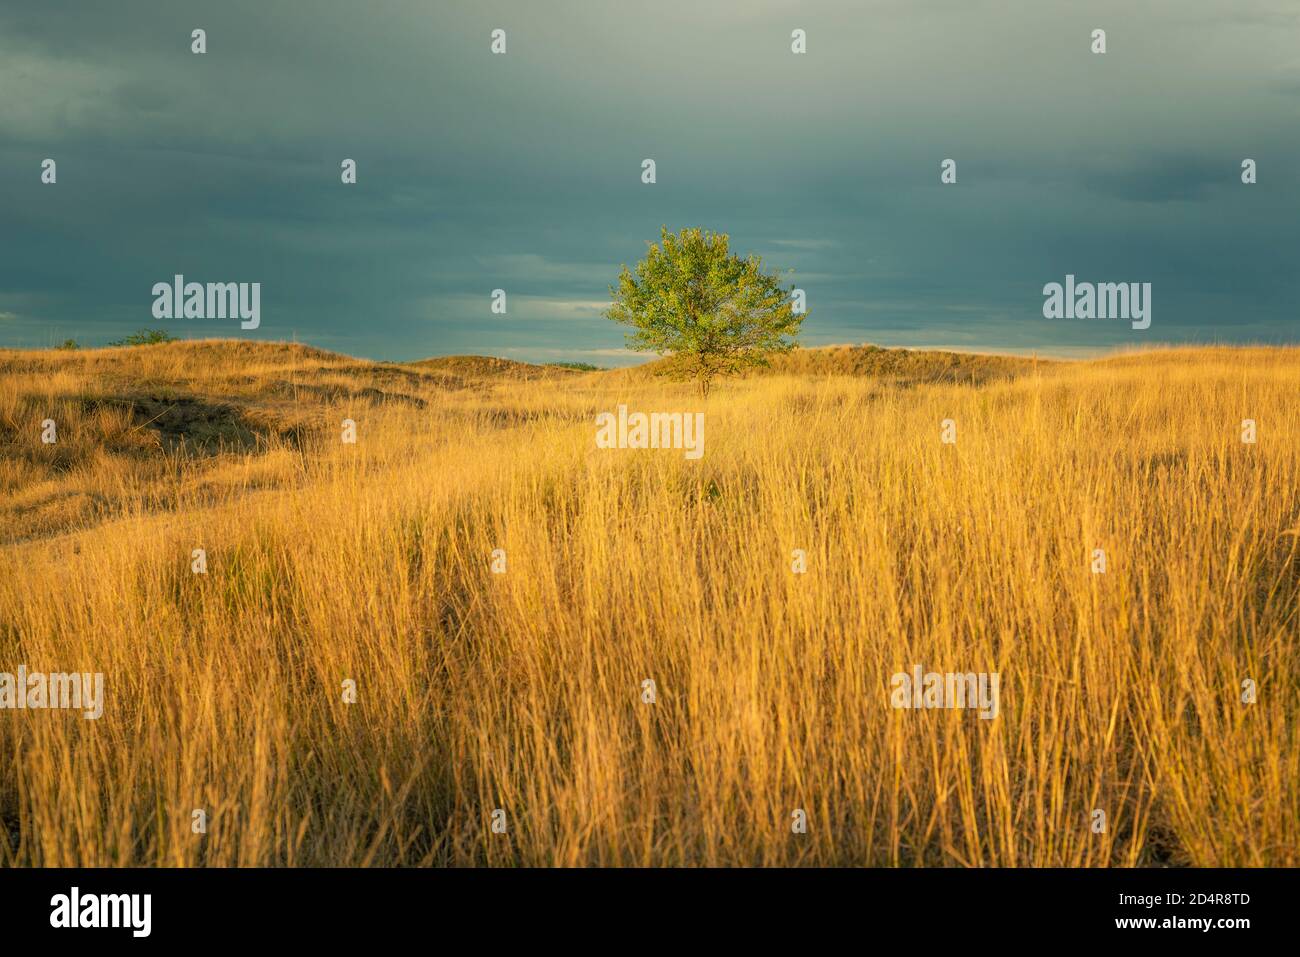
{"x":1160,"y":179}
{"x":522,"y":172}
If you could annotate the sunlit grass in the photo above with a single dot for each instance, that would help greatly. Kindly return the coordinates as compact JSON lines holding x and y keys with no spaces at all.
{"x":522,"y":691}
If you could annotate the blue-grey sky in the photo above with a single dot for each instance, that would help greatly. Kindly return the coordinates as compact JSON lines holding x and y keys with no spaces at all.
{"x":523,"y":171}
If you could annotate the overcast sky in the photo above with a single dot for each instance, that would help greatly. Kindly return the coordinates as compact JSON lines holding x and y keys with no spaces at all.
{"x":523,"y":171}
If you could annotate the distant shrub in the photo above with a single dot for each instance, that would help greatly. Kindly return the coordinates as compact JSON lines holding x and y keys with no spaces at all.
{"x":145,"y":337}
{"x":579,"y":366}
{"x":69,"y":344}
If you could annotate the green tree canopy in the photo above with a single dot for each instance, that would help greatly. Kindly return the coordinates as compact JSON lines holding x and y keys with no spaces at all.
{"x":709,"y":311}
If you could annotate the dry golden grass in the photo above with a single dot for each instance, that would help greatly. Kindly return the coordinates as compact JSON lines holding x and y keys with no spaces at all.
{"x":522,"y":690}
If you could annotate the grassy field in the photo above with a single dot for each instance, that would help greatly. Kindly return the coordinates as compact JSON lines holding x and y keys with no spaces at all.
{"x":522,"y":691}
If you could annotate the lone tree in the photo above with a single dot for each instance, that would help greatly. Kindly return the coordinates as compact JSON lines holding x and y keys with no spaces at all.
{"x":709,"y":311}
